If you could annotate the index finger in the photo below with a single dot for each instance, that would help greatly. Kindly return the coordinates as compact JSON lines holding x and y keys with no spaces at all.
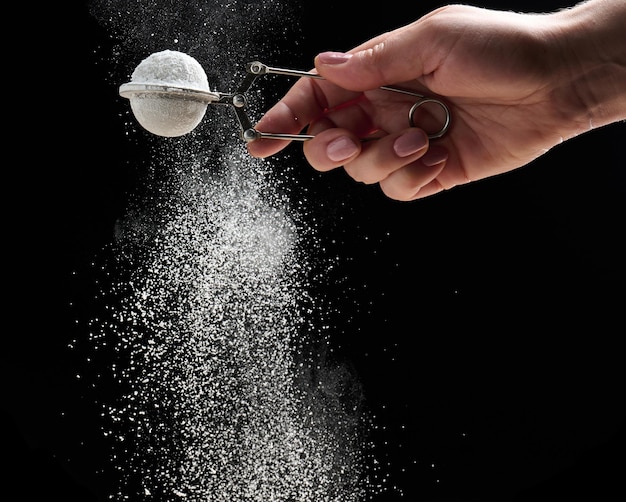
{"x":305,"y":101}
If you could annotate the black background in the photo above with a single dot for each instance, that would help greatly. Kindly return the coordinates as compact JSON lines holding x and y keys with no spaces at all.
{"x":486,"y":320}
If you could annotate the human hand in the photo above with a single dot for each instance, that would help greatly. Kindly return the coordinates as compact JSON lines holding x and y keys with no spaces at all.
{"x":505,"y":77}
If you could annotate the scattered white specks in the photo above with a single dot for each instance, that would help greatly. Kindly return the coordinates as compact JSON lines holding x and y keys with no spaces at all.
{"x":225,"y":392}
{"x":222,"y":401}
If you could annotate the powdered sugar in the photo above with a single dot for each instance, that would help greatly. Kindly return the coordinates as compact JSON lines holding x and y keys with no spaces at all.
{"x":172,"y":68}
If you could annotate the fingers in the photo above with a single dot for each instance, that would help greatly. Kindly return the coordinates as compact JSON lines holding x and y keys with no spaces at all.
{"x":393,"y":57}
{"x":402,"y":163}
{"x":289,"y":116}
{"x":281,"y":118}
{"x":390,"y":58}
{"x":332,"y":148}
{"x":418,"y":179}
{"x":305,"y":101}
{"x":380,"y":158}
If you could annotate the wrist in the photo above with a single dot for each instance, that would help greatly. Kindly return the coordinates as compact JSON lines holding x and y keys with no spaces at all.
{"x":591,"y":52}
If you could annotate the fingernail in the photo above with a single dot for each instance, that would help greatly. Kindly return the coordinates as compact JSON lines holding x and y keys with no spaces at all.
{"x":410,"y":142}
{"x":341,"y":149}
{"x":333,"y":57}
{"x":435,"y":155}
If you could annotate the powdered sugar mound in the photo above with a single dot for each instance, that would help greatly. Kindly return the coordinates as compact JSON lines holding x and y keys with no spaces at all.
{"x":163,"y":113}
{"x":172,"y":68}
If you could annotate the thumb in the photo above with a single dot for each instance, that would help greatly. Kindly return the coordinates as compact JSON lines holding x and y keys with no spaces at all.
{"x":386,"y":60}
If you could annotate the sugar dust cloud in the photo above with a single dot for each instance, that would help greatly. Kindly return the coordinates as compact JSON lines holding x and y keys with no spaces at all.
{"x":224,"y":391}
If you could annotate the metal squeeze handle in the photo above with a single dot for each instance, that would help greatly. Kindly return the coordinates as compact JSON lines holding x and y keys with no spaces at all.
{"x":256,"y":68}
{"x":239,"y":101}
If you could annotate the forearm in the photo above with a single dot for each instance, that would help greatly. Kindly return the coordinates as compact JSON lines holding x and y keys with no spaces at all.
{"x":593,"y":49}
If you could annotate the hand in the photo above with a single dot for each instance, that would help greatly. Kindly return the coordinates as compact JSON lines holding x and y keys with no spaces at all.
{"x":506,"y":77}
